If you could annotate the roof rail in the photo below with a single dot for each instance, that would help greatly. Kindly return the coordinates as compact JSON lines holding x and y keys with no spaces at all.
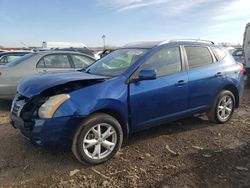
{"x":195,"y":40}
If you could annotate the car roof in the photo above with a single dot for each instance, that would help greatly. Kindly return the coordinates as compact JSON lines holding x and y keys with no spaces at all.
{"x":152,"y":44}
{"x":146,"y":44}
{"x":50,"y":52}
{"x":13,"y":52}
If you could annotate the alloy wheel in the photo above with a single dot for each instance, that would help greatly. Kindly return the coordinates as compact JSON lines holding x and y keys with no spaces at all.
{"x":225,"y":107}
{"x":100,"y":141}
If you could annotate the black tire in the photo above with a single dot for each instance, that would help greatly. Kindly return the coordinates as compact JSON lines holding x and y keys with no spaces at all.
{"x":214,"y":114}
{"x":84,"y":130}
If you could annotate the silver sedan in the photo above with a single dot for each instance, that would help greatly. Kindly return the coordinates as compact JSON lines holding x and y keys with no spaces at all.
{"x":39,"y":63}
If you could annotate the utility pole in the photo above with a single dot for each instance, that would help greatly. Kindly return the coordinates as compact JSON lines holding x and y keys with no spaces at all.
{"x":103,"y":38}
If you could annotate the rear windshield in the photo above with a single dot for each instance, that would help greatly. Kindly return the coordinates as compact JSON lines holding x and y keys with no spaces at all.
{"x":21,"y":59}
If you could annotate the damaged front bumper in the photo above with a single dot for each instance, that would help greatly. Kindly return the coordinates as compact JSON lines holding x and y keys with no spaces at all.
{"x":54,"y":132}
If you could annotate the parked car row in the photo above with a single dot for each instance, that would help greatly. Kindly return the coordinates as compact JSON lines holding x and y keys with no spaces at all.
{"x":84,"y":50}
{"x":39,"y":63}
{"x":13,"y":69}
{"x":239,"y":56}
{"x":94,"y":110}
{"x":10,"y":56}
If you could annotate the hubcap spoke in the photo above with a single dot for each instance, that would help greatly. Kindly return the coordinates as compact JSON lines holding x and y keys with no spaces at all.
{"x":99,"y":131}
{"x":223,"y":113}
{"x":220,"y":108}
{"x":229,"y":102}
{"x":97,"y":151}
{"x":107,"y":133}
{"x":89,"y":143}
{"x":224,"y":100}
{"x":108,"y":145}
{"x":228,"y":110}
{"x":95,"y":132}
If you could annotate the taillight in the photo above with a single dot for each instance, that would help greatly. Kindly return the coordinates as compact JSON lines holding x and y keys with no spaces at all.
{"x":241,"y":67}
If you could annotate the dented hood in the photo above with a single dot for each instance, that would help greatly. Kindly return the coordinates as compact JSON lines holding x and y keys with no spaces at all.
{"x":35,"y":85}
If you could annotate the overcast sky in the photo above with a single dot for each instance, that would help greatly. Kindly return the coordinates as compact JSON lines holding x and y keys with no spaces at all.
{"x":122,"y":21}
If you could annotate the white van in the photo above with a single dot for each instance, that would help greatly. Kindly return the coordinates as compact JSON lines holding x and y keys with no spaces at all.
{"x":51,"y":44}
{"x":246,"y":47}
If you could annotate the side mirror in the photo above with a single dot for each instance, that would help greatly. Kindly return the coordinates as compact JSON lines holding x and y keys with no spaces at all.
{"x":147,"y":74}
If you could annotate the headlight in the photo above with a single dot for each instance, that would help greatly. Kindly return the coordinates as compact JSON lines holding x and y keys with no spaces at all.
{"x":48,"y":109}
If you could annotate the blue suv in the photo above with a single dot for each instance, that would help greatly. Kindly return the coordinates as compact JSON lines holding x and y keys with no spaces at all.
{"x":135,"y":87}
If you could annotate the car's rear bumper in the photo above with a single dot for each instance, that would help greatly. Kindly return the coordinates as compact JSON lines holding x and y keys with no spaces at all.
{"x":51,"y":133}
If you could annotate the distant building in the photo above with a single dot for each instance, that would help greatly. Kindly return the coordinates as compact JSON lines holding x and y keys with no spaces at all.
{"x":51,"y":44}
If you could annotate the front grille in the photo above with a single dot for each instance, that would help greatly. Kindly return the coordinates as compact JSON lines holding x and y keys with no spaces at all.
{"x":18,"y":103}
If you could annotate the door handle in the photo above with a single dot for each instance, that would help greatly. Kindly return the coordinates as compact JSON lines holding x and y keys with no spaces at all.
{"x":180,"y":83}
{"x":218,"y":74}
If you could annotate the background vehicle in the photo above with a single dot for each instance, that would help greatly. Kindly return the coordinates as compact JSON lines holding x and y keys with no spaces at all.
{"x":7,"y":57}
{"x":130,"y":89}
{"x":52,"y":44}
{"x":239,"y":56}
{"x":98,"y":54}
{"x":246,"y":47}
{"x":84,"y":50}
{"x":231,"y":49}
{"x":38,"y":63}
{"x":101,"y":54}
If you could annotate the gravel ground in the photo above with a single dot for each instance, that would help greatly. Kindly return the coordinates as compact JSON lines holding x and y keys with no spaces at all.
{"x":191,"y":152}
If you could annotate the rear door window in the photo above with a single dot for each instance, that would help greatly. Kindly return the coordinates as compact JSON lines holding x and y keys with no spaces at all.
{"x":54,"y":61}
{"x":218,"y":53}
{"x":198,"y":56}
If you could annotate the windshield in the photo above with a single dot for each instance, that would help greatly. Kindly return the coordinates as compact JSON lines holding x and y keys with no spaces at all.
{"x":21,"y":59}
{"x":116,"y":63}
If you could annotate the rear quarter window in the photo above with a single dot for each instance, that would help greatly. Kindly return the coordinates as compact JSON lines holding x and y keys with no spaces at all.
{"x":218,"y":53}
{"x":81,"y":61}
{"x":198,"y":56}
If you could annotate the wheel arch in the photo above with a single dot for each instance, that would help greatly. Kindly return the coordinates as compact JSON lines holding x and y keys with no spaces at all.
{"x":235,"y":92}
{"x":119,"y":117}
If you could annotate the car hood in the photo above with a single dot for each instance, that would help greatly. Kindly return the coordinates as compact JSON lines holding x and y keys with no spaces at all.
{"x":37,"y":84}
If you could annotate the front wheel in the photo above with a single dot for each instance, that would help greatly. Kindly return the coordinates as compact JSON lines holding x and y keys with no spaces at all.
{"x":223,"y":107}
{"x":98,"y":139}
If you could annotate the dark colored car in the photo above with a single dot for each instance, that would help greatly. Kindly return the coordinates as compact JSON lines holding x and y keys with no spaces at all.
{"x":131,"y":89}
{"x":106,"y":52}
{"x":7,"y":57}
{"x":239,"y":56}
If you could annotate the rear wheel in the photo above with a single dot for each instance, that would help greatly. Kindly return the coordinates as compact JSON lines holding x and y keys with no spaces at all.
{"x":98,"y":139}
{"x":223,"y":107}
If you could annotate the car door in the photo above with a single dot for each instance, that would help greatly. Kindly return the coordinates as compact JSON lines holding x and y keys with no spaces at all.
{"x":81,"y":61}
{"x":205,"y":76}
{"x":55,"y":63}
{"x":155,"y":101}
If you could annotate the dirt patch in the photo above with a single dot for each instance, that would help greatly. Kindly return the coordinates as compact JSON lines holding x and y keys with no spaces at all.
{"x":192,"y":152}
